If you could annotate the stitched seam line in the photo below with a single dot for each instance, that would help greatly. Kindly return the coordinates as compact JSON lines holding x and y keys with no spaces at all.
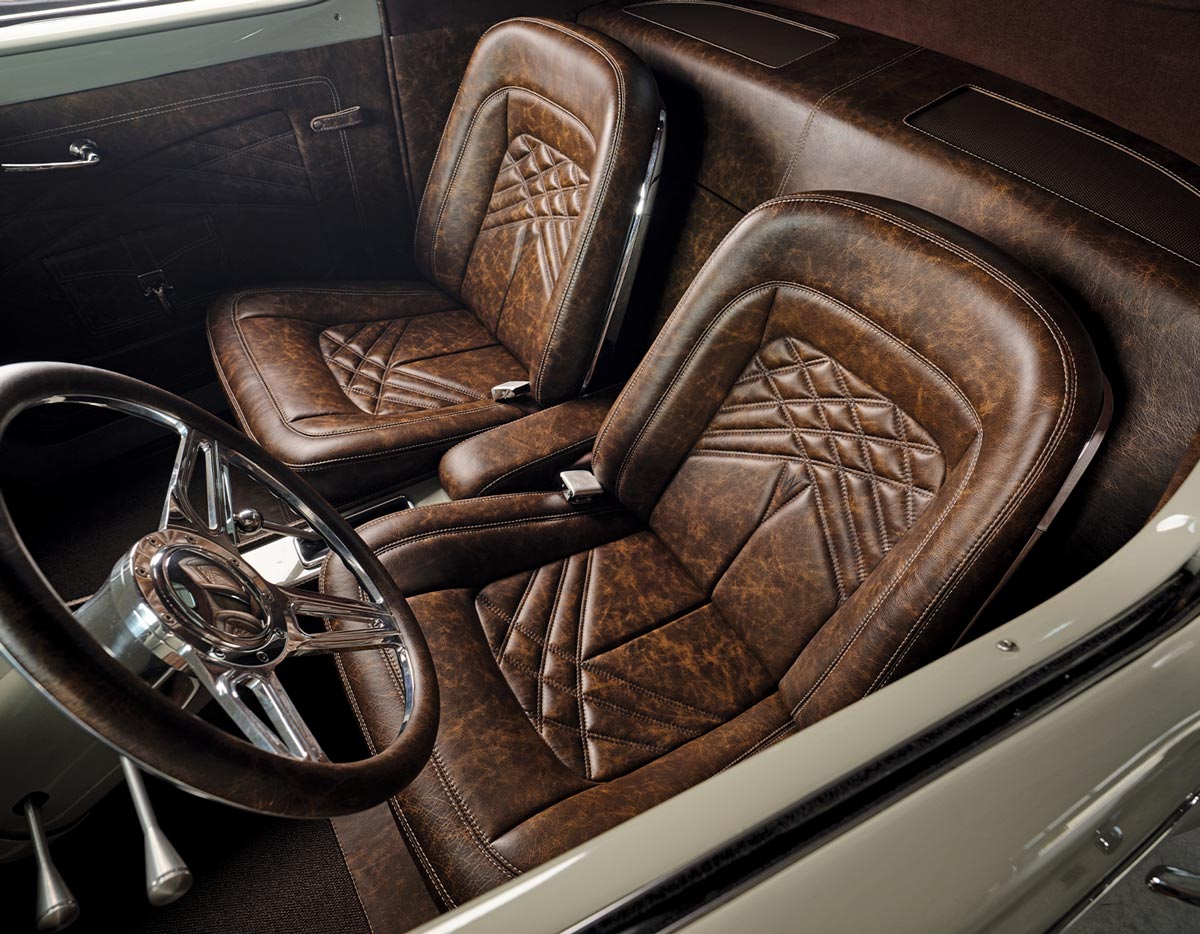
{"x":967,"y":560}
{"x":1059,"y":194}
{"x":730,"y":6}
{"x":609,"y":738}
{"x":860,"y":565}
{"x":1067,"y":123}
{"x":394,"y":802}
{"x":494,"y":856}
{"x":511,"y":620}
{"x":386,"y":453}
{"x":506,"y":523}
{"x":381,"y":520}
{"x":558,"y":589}
{"x":160,"y":109}
{"x":591,"y":668}
{"x":829,"y":95}
{"x":411,"y":836}
{"x":717,"y":452}
{"x":583,"y":604}
{"x":660,"y":340}
{"x":291,"y":426}
{"x":848,"y":435}
{"x":761,"y":744}
{"x":597,"y":206}
{"x":834,"y":558}
{"x":586,"y":442}
{"x":581,"y":695}
{"x":551,"y":408}
{"x":738,"y":301}
{"x":458,"y":159}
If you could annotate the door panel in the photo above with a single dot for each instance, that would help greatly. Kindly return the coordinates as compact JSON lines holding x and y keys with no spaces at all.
{"x":210,"y":179}
{"x":425,"y":31}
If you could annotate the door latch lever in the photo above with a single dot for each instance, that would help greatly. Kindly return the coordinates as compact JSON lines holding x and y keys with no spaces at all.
{"x":157,"y":289}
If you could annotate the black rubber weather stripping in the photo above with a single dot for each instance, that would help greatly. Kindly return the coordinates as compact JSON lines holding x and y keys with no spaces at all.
{"x":1084,"y":167}
{"x":769,"y":846}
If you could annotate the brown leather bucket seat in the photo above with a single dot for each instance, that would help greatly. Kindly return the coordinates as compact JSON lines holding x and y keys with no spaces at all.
{"x":839,"y":442}
{"x":521,"y":235}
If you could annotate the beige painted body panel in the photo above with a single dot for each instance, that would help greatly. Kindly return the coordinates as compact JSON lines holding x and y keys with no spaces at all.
{"x":52,"y":57}
{"x":1004,"y":842}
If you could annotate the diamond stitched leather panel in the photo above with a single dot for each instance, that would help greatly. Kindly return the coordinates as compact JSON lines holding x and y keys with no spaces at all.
{"x":374,"y":362}
{"x":872,"y":468}
{"x":831,"y":474}
{"x":585,"y":651}
{"x":524,"y":238}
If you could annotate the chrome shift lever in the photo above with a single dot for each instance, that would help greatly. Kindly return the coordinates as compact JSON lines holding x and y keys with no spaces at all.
{"x":167,"y":875}
{"x":56,"y":906}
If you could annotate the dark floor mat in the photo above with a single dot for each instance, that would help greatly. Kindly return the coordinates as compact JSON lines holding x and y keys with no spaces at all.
{"x":254,"y":874}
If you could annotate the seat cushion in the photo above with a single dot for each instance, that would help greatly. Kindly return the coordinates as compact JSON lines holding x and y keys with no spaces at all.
{"x":383,"y":377}
{"x":613,"y":695}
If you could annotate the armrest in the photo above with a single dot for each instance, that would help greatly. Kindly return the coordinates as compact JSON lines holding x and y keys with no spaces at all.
{"x":526,"y":454}
{"x":473,"y":542}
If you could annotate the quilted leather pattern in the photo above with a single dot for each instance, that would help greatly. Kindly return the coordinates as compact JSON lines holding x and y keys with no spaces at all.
{"x":581,"y":649}
{"x":527,"y":207}
{"x":373,"y":362}
{"x":383,"y":376}
{"x":538,"y":189}
{"x":527,"y":230}
{"x":871,"y":467}
{"x":830,"y":462}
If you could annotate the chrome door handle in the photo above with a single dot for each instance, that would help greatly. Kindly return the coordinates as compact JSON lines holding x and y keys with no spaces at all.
{"x":84,"y":150}
{"x":1175,"y":883}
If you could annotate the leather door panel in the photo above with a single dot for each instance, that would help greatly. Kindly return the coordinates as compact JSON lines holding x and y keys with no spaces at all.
{"x":210,"y":179}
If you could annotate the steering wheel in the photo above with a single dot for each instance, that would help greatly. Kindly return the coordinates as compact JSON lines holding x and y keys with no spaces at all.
{"x":184,"y":603}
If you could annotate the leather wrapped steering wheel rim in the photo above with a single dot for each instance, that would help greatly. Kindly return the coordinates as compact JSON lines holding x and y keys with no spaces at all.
{"x":41,"y":637}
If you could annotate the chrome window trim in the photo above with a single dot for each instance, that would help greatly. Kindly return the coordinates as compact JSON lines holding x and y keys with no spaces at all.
{"x":631,"y":253}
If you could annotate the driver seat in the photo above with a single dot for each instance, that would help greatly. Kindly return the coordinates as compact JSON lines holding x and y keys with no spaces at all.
{"x":837,"y":446}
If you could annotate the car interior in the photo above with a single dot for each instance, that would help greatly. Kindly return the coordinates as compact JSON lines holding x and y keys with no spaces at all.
{"x":593,"y":395}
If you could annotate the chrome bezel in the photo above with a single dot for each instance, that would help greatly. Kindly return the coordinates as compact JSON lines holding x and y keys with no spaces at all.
{"x":149,"y":560}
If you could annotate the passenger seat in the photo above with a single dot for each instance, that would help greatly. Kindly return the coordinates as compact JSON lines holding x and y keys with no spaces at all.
{"x":523,"y":239}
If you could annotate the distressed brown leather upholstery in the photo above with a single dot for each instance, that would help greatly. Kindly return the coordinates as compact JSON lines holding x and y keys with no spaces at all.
{"x":836,"y":446}
{"x":528,"y":454}
{"x":519,"y":237}
{"x":838,"y":118}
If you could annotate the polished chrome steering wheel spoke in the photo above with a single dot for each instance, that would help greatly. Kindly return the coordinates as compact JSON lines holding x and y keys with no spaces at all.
{"x":371,"y":626}
{"x":218,"y":519}
{"x":284,"y":732}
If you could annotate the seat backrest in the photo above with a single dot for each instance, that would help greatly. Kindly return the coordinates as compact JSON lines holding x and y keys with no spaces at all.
{"x":526,"y":213}
{"x":1046,"y":182}
{"x":846,"y":432}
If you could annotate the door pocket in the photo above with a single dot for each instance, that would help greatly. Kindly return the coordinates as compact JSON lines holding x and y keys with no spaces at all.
{"x":174,"y":269}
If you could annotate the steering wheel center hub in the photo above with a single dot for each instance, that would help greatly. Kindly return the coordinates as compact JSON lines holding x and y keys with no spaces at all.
{"x":211,"y":595}
{"x":209,"y":598}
